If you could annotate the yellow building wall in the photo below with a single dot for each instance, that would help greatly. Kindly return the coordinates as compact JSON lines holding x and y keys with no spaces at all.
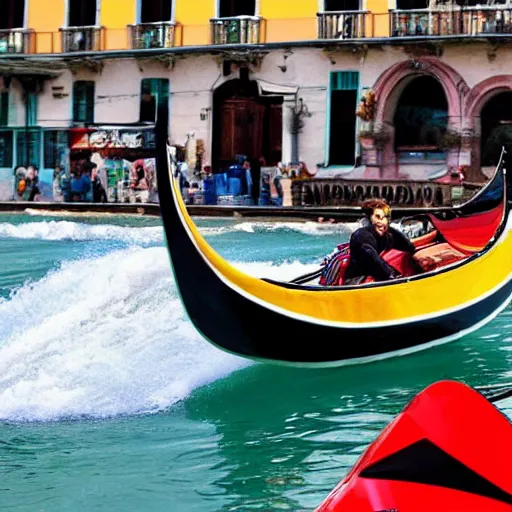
{"x":283,"y":20}
{"x":378,"y":23}
{"x":115,"y":15}
{"x":194,"y":17}
{"x":45,"y":17}
{"x":288,"y":20}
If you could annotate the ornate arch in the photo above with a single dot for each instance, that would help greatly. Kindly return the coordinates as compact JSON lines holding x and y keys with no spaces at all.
{"x":392,"y":82}
{"x":483,"y":92}
{"x":479,"y":95}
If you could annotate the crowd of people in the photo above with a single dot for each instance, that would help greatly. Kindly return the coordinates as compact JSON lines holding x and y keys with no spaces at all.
{"x":82,"y":184}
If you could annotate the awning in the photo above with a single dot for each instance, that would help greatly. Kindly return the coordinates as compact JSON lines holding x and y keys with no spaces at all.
{"x":271,"y":89}
{"x":31,"y":67}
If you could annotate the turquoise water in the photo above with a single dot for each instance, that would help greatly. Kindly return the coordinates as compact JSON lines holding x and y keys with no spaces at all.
{"x":109,"y":399}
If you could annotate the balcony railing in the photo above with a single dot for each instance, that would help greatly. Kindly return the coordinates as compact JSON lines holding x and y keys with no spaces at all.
{"x":465,"y":21}
{"x":82,"y":39}
{"x":342,"y":24}
{"x":16,"y":40}
{"x":237,"y":30}
{"x":152,"y":35}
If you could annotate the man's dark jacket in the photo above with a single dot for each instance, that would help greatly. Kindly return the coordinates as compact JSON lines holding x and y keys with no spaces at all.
{"x":366,"y":247}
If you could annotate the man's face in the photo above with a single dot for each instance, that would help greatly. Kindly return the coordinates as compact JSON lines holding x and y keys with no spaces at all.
{"x":380,"y":221}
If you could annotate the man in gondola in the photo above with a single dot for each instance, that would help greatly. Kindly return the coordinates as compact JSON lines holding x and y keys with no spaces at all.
{"x":369,"y":242}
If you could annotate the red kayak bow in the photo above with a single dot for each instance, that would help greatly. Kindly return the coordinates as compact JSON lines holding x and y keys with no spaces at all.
{"x":450,"y":449}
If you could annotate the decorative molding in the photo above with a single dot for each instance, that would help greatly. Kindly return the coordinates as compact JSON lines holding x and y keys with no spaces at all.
{"x":418,"y":49}
{"x":85,"y":64}
{"x":253,"y":58}
{"x":492,"y":51}
{"x":332,"y":51}
{"x":167,"y":60}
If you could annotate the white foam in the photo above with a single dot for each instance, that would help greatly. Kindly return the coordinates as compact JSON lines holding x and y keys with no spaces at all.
{"x":67,"y":230}
{"x":57,"y":230}
{"x":306,"y":228}
{"x":105,"y":337}
{"x":99,"y":338}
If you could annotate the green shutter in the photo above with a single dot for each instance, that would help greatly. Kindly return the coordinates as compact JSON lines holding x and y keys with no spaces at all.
{"x":345,"y":81}
{"x":28,"y":147}
{"x":55,"y":147}
{"x":6,"y":149}
{"x":4,"y":108}
{"x":31,"y":109}
{"x":159,"y":88}
{"x":83,"y":102}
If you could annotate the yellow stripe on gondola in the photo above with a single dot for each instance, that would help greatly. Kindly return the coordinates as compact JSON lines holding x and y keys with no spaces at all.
{"x":369,"y":306}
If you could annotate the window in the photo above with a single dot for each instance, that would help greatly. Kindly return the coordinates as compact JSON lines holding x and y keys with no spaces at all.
{"x":231,"y":8}
{"x":83,"y":102}
{"x":408,"y":5}
{"x":31,"y":106}
{"x":28,"y":147}
{"x":13,"y":14}
{"x":6,"y":149}
{"x":55,"y":147}
{"x":342,"y":127}
{"x":153,"y":11}
{"x":4,"y":108}
{"x":341,"y":5}
{"x":154,"y":95}
{"x":81,"y":13}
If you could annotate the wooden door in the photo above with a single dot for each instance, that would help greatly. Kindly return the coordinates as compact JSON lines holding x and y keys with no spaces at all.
{"x":241,"y":130}
{"x":275,"y":134}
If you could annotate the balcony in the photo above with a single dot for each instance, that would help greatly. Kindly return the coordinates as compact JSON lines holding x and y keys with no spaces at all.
{"x":82,"y":39}
{"x":465,"y":21}
{"x":237,"y":30}
{"x":152,"y":35}
{"x":342,"y":24}
{"x":16,"y":40}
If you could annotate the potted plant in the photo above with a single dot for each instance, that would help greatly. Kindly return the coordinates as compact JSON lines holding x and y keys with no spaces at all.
{"x":451,"y":139}
{"x":374,"y":137}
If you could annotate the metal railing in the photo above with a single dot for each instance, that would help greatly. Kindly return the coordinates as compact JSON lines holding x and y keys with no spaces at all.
{"x":82,"y":39}
{"x":16,"y":40}
{"x":342,"y":24}
{"x":236,"y":30}
{"x":152,"y":35}
{"x":462,"y":21}
{"x":459,"y":22}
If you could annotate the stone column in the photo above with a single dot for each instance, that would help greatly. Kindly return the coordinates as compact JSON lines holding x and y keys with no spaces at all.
{"x":287,"y":144}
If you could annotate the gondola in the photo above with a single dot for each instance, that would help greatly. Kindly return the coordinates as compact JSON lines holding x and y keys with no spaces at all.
{"x":449,"y":449}
{"x":309,"y":325}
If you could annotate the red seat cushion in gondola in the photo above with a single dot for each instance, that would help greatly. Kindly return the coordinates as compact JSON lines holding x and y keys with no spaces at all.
{"x":436,"y":256}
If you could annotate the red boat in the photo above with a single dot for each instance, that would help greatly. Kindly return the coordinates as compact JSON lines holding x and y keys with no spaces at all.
{"x":449,"y":450}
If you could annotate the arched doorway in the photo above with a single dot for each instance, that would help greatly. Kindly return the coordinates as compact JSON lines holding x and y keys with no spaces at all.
{"x":245,"y":123}
{"x":420,"y":119}
{"x":496,"y":128}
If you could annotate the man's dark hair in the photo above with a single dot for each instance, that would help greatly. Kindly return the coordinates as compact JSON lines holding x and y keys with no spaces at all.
{"x":371,"y":205}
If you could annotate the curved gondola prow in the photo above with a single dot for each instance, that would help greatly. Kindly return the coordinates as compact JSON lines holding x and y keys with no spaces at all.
{"x":492,"y":192}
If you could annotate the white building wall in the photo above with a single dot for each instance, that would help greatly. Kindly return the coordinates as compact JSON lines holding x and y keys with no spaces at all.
{"x":194,"y":78}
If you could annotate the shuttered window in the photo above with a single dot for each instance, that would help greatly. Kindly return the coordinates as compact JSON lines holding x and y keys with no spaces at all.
{"x":154,"y":95}
{"x":4,"y":108}
{"x":342,"y":118}
{"x":83,"y":102}
{"x":345,"y":81}
{"x":31,"y":106}
{"x":55,"y":148}
{"x":28,"y":147}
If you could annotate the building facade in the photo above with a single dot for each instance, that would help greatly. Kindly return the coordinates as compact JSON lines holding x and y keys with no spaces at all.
{"x":275,"y":80}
